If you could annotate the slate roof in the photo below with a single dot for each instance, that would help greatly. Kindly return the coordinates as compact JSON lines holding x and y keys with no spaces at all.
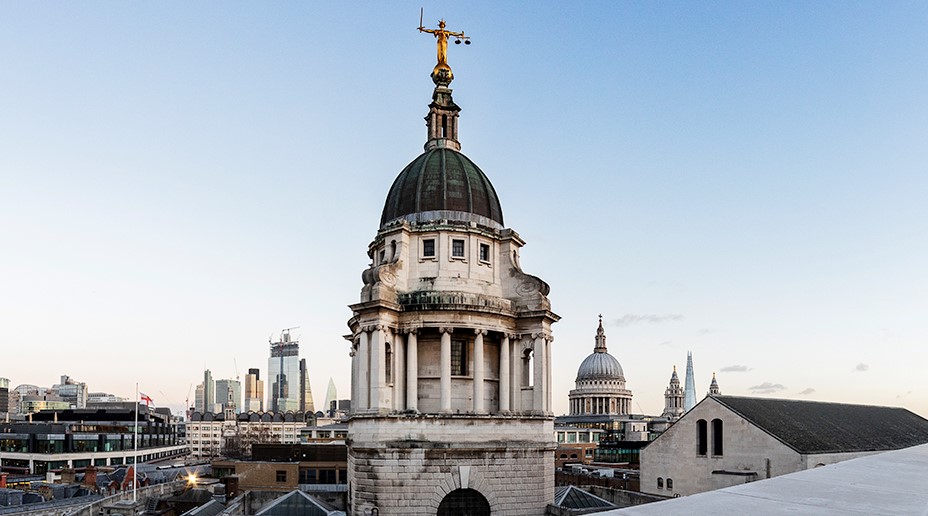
{"x":572,"y":497}
{"x":820,"y":427}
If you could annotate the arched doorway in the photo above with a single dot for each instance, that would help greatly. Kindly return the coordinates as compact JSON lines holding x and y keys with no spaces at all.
{"x":464,"y":502}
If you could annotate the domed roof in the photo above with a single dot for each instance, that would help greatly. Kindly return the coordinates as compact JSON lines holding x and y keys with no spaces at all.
{"x":600,"y":366}
{"x":443,"y":183}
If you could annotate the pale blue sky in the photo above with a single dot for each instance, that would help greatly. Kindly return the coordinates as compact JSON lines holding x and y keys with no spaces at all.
{"x":745,"y":180}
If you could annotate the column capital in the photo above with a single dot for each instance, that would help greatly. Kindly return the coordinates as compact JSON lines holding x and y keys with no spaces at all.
{"x":446,"y":329}
{"x":380,"y":327}
{"x":413,"y":331}
{"x":541,"y":335}
{"x":480,"y":331}
{"x":513,"y":336}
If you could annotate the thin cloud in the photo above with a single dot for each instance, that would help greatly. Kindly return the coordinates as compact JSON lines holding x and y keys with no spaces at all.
{"x":666,"y":343}
{"x":735,"y":369}
{"x":861,"y":367}
{"x":629,"y":319}
{"x":807,"y":391}
{"x":767,"y":388}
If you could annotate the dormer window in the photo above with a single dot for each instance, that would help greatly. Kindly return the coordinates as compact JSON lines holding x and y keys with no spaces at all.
{"x":428,"y":248}
{"x":457,"y":248}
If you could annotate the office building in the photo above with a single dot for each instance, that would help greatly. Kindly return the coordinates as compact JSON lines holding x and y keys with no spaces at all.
{"x":254,"y":391}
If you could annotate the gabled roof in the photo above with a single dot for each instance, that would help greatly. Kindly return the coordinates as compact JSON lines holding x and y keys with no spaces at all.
{"x":298,"y":502}
{"x":572,"y":497}
{"x":210,"y":508}
{"x":820,"y":427}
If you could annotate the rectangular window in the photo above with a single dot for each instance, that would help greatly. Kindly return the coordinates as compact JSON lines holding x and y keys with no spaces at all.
{"x":458,"y":357}
{"x":484,"y":252}
{"x":428,"y":248}
{"x":457,"y":248}
{"x":281,"y":475}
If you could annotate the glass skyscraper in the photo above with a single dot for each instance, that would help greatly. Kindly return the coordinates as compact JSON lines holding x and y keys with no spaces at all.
{"x":284,"y":381}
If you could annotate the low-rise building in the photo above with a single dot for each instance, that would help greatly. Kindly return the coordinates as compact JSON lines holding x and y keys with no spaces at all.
{"x":729,"y":440}
{"x":78,"y":438}
{"x":232,"y":435}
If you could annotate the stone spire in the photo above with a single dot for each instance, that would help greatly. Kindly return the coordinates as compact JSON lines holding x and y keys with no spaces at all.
{"x":600,"y":338}
{"x":714,"y":387}
{"x":689,"y":390}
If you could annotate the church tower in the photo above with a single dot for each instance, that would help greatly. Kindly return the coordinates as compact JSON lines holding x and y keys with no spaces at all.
{"x":673,"y":398}
{"x":714,"y":387}
{"x":450,"y":345}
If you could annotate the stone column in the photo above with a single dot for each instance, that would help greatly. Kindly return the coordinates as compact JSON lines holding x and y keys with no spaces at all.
{"x":479,"y":372}
{"x":445,"y":369}
{"x":412,"y":371}
{"x":538,"y":390}
{"x":354,"y":376}
{"x":399,"y":371}
{"x":504,"y":374}
{"x":364,"y":370}
{"x":548,"y":378}
{"x":378,"y":367}
{"x":515,"y":375}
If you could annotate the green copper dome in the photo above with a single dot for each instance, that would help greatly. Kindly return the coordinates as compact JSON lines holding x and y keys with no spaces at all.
{"x":442,"y":183}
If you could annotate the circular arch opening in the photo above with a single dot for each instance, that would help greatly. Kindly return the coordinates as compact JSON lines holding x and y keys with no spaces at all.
{"x":464,"y":502}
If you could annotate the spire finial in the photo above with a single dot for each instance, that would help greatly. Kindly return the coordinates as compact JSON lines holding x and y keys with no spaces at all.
{"x":600,"y":346}
{"x":441,"y":74}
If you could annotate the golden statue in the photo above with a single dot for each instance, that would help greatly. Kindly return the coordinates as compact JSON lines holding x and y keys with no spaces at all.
{"x":441,"y":74}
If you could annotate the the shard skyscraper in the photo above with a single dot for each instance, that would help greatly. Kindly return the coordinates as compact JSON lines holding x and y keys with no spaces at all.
{"x":689,"y":387}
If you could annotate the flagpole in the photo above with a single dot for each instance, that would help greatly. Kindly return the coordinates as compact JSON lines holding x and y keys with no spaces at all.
{"x":135,"y":462}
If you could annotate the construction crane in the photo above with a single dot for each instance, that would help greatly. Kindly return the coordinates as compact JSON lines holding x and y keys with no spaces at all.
{"x":234,"y":361}
{"x":187,"y":401}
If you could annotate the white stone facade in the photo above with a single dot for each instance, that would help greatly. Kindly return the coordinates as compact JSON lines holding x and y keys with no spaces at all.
{"x":451,"y":348}
{"x":210,"y":438}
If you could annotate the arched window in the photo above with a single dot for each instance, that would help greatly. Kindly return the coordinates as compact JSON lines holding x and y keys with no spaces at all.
{"x":669,"y":483}
{"x":527,"y":376}
{"x":389,"y":363}
{"x":702,"y":443}
{"x":717,"y":437}
{"x":464,"y":501}
{"x":660,"y":483}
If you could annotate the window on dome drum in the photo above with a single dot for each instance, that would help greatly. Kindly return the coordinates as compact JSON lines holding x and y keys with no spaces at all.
{"x":383,"y":256}
{"x":717,"y":437}
{"x":660,"y":483}
{"x":458,"y":357}
{"x":485,"y":253}
{"x":457,"y":248}
{"x":702,"y":446}
{"x":669,"y":483}
{"x":428,"y":248}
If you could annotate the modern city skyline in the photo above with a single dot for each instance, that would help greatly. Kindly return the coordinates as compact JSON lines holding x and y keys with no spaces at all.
{"x":745,"y":181}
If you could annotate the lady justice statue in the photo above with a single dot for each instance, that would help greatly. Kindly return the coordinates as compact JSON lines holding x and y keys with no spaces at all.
{"x":441,"y":74}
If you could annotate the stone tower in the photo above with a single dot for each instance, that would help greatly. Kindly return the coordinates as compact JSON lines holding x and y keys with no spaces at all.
{"x":673,"y":398}
{"x":714,"y":387}
{"x":600,"y":383}
{"x":451,"y":348}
